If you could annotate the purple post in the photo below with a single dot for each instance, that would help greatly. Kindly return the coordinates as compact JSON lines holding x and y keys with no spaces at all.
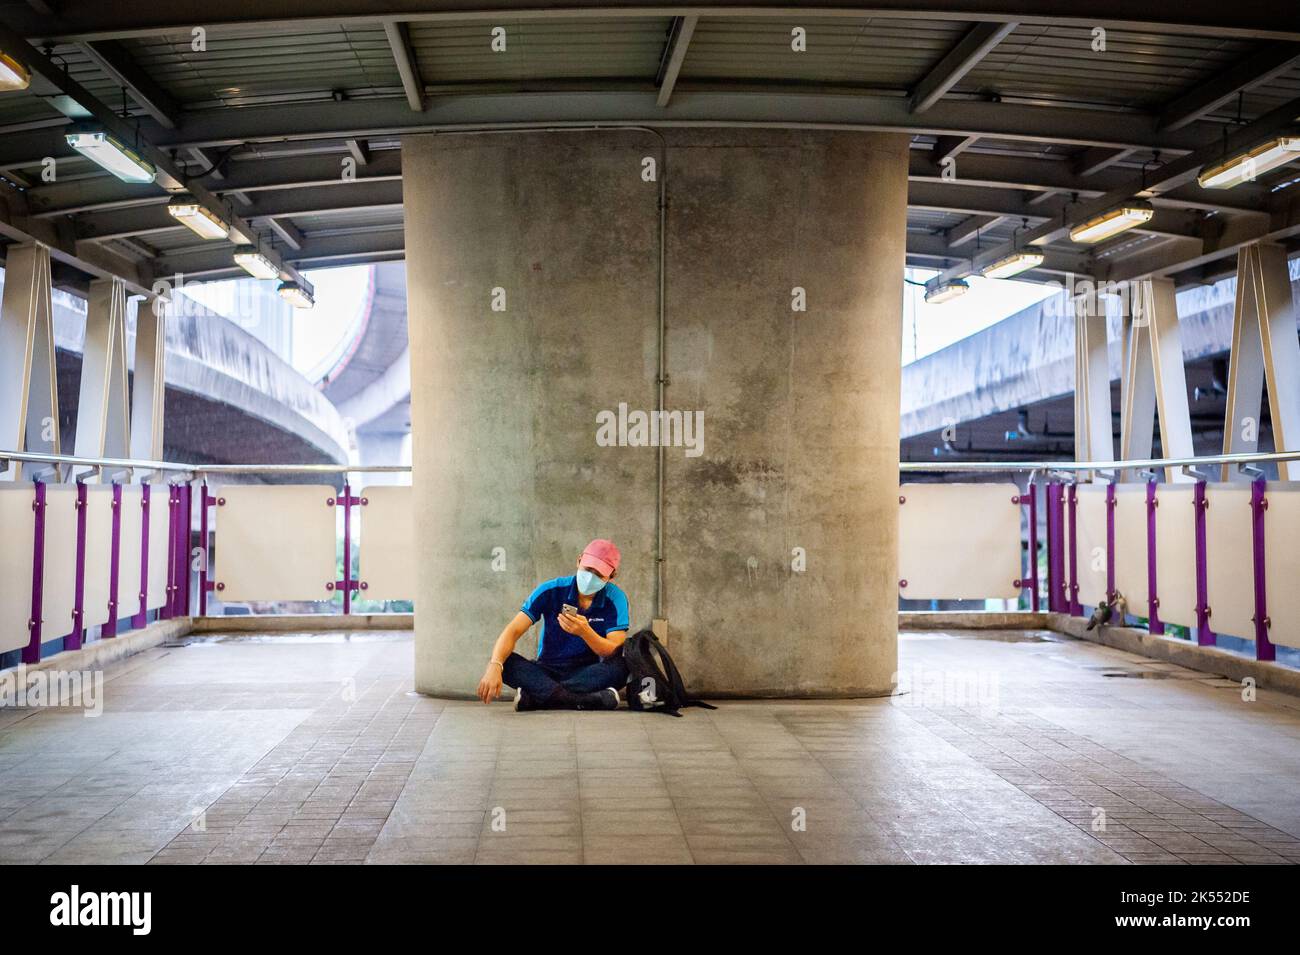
{"x":110,"y":628}
{"x":1056,"y":601}
{"x":1153,"y":600}
{"x":169,"y":605}
{"x":1264,"y":649}
{"x":140,"y":618}
{"x":347,"y":548}
{"x":187,"y":523}
{"x":1110,"y":542}
{"x":1033,"y":543}
{"x":204,"y":503}
{"x":73,"y":640}
{"x":32,"y":652}
{"x":1075,"y":609}
{"x":1204,"y":635}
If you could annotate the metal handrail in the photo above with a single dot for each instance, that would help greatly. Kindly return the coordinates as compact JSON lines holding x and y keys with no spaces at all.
{"x":132,"y":464}
{"x":1139,"y":464}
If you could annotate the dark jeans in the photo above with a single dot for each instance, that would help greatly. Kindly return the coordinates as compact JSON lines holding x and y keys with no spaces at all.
{"x":541,"y":680}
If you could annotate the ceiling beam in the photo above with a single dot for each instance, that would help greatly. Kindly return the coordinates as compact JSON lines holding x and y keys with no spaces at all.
{"x":1094,"y":160}
{"x":1047,"y":177}
{"x":982,"y":201}
{"x":1150,"y":183}
{"x":202,"y":262}
{"x":285,"y":229}
{"x":674,"y":56}
{"x":978,"y":42}
{"x":170,"y":176}
{"x":1259,"y":67}
{"x":389,"y":117}
{"x":147,"y":220}
{"x":373,"y":118}
{"x":245,"y":177}
{"x":116,"y":63}
{"x":969,"y":228}
{"x":91,"y":19}
{"x":399,"y":41}
{"x":950,"y":147}
{"x":359,"y":149}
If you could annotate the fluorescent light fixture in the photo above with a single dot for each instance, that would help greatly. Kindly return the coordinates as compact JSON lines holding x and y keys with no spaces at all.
{"x":105,"y":149}
{"x":946,"y":292}
{"x":1013,"y":264}
{"x":1120,"y":219}
{"x":13,"y":75}
{"x":187,"y":211}
{"x":255,"y":263}
{"x":1248,"y":165}
{"x":296,"y":295}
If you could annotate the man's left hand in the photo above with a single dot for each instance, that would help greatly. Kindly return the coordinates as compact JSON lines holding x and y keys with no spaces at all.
{"x":576,"y":625}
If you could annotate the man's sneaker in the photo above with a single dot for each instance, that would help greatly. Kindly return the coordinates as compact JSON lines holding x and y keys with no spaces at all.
{"x":606,"y":699}
{"x":523,"y":703}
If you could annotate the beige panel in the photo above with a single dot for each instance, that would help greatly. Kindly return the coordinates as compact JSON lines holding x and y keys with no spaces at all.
{"x":1176,"y":553}
{"x":1090,"y":543}
{"x":99,"y":549}
{"x":60,"y":579}
{"x":275,"y":543}
{"x":18,"y":532}
{"x":129,"y":549}
{"x":959,"y":541}
{"x":388,"y":556}
{"x":159,"y":530}
{"x":1131,"y":546}
{"x":1229,"y":560}
{"x":1282,"y":562}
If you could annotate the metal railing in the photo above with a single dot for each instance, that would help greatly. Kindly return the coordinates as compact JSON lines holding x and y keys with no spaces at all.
{"x":1057,"y":491}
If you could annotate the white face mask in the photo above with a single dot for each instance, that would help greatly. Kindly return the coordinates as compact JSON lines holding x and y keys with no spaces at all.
{"x":589,"y":583}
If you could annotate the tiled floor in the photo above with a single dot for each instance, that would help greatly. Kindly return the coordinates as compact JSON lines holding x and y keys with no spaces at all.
{"x":1006,"y":748}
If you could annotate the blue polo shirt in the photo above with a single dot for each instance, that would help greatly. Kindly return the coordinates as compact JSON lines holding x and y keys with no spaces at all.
{"x":607,"y":614}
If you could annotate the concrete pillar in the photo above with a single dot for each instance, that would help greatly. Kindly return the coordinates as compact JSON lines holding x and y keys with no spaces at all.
{"x":533,"y":280}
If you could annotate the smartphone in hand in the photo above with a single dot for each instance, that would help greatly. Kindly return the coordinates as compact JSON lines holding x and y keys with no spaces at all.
{"x":570,"y":609}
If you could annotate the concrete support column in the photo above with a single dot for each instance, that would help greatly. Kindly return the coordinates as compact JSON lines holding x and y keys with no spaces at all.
{"x":533,"y":270}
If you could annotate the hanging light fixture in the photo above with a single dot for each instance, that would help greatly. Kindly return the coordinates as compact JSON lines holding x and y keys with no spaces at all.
{"x":206,"y":225}
{"x":1013,"y":264}
{"x":946,"y":291}
{"x":256,"y":264}
{"x":1117,"y":220}
{"x":296,"y":295}
{"x":106,"y":150}
{"x":13,"y":75}
{"x":1246,"y":166}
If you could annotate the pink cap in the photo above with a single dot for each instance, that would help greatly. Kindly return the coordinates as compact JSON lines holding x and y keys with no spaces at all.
{"x":601,"y":555}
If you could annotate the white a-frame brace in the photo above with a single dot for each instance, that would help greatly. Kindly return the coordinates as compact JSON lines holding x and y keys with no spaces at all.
{"x":1154,"y":379}
{"x":147,"y":389}
{"x":29,"y":391}
{"x":103,"y":416}
{"x":1093,"y":434}
{"x":1264,"y":348}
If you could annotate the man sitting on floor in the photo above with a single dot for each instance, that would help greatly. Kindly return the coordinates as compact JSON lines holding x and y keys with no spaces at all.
{"x":579,"y":661}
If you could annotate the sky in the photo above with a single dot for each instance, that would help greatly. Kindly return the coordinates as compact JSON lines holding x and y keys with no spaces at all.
{"x":928,"y":328}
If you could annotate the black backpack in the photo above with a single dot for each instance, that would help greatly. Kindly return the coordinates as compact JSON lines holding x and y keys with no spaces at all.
{"x":653,"y":681}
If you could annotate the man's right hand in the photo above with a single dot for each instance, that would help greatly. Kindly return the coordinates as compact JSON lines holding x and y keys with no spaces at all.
{"x":489,"y":688}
